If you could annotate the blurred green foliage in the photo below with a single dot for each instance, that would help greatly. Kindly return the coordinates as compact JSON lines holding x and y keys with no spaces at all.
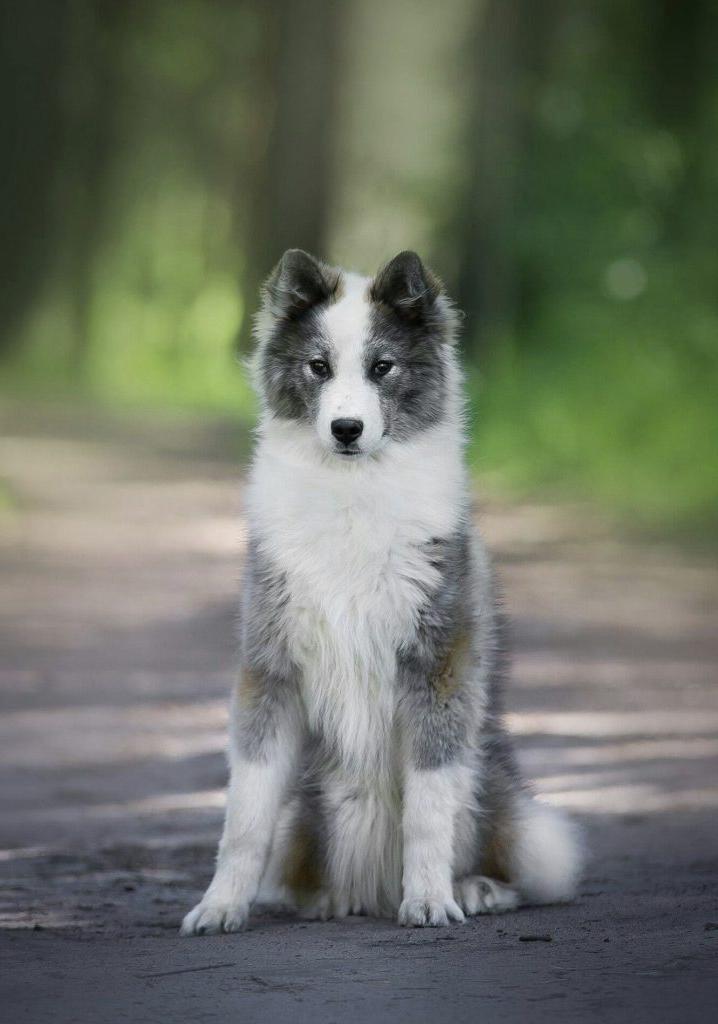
{"x":556,"y":163}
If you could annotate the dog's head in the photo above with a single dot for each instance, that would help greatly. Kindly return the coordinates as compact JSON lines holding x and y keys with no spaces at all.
{"x":359,"y":362}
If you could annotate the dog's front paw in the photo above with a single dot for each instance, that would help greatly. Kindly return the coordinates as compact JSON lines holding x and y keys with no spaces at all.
{"x":212,"y":916}
{"x":431,"y":911}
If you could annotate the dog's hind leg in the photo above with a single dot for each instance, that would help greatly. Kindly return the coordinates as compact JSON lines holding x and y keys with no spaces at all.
{"x":477,"y":894}
{"x":529,"y":846}
{"x":529,"y":850}
{"x":274,"y":892}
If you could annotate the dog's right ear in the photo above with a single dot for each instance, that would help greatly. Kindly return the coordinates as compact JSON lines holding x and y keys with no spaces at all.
{"x":298,"y":282}
{"x":405,"y":285}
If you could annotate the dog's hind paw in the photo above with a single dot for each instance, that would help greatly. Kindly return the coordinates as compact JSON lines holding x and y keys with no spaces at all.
{"x":319,"y":908}
{"x":477,"y":894}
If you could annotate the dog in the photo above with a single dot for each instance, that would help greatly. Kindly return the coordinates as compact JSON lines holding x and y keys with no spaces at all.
{"x":371,"y":772}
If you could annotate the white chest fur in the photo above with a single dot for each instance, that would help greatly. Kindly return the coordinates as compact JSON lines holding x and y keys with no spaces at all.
{"x":349,"y":540}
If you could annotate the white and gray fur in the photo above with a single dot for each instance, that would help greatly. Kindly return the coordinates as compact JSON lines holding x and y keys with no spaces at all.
{"x":370,"y":769}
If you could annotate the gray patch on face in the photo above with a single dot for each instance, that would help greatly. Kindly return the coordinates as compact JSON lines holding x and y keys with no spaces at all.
{"x":432,"y":671}
{"x":409,"y":328}
{"x":268,"y":688}
{"x":413,"y":395}
{"x":291,"y":390}
{"x":296,"y":292}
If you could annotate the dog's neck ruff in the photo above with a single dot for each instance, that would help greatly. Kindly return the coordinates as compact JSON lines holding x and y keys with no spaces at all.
{"x":420,"y":480}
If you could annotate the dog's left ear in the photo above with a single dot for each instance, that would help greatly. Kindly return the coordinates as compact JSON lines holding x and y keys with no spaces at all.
{"x":406,"y":286}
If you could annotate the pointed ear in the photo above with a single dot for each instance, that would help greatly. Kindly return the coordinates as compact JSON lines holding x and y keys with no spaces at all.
{"x":298,"y":282}
{"x":406,"y":286}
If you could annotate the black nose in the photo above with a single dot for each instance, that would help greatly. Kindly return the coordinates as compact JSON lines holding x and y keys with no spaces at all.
{"x":347,"y":431}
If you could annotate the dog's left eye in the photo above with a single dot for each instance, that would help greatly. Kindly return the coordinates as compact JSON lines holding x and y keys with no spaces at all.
{"x":319,"y":368}
{"x":381,"y":368}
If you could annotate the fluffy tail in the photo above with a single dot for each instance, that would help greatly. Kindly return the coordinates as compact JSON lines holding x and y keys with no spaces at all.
{"x":546,"y":855}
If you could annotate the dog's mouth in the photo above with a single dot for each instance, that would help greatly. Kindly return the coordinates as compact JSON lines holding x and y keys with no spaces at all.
{"x":347,"y":451}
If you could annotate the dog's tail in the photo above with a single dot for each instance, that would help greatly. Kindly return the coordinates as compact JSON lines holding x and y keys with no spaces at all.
{"x":546,"y":854}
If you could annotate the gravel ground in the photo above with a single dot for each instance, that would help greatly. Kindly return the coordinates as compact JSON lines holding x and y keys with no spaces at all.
{"x":120,"y":549}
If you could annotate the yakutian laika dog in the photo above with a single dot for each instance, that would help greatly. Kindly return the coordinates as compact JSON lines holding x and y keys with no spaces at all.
{"x":370,"y":770}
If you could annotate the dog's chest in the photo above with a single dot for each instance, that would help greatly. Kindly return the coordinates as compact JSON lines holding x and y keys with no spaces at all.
{"x":353,"y":599}
{"x":356,"y":560}
{"x":356,"y":578}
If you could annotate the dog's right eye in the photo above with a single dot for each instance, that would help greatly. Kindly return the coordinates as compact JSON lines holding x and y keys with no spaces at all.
{"x":319,"y":368}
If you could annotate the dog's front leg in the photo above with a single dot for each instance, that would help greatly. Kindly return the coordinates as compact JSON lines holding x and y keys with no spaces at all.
{"x":431,"y":800}
{"x":267,"y":733}
{"x":256,"y":790}
{"x":438,"y":779}
{"x":264,"y":753}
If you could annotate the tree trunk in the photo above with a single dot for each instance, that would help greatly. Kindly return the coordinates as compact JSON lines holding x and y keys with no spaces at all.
{"x":293,"y":177}
{"x":93,"y":87}
{"x":31,"y":38}
{"x":506,"y":61}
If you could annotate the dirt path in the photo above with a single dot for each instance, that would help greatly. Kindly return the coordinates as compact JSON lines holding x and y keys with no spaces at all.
{"x":119,"y":558}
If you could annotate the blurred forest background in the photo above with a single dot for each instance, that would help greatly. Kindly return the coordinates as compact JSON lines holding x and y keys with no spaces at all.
{"x":556,"y":162}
